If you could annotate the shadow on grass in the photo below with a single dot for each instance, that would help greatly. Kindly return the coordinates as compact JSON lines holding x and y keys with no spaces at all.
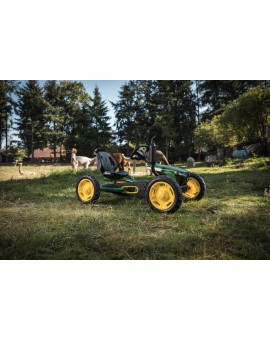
{"x":236,"y":183}
{"x":242,"y":236}
{"x":55,"y":185}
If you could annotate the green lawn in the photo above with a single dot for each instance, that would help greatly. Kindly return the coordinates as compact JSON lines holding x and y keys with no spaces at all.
{"x":41,"y":218}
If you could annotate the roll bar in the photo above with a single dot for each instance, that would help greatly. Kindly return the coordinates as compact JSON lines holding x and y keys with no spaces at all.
{"x":152,"y":155}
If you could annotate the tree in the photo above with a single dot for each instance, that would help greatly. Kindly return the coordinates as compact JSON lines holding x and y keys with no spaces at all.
{"x":216,"y":94}
{"x":74,"y":119}
{"x":125,"y":113}
{"x":211,"y":134}
{"x":198,"y":99}
{"x":102,"y":132}
{"x":7,"y":105}
{"x":54,"y":114}
{"x":176,"y":115}
{"x":248,"y":117}
{"x":31,"y":122}
{"x":164,"y":108}
{"x":241,"y":121}
{"x":136,"y":111}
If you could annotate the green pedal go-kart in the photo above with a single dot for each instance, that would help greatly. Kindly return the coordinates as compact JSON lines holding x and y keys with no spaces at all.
{"x":164,"y":193}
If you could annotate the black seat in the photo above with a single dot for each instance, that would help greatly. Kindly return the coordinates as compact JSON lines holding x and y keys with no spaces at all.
{"x":108,"y":165}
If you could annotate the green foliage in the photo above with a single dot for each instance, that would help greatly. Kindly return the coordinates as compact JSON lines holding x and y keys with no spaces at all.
{"x":31,"y":122}
{"x":134,"y":111}
{"x":63,"y":113}
{"x":101,"y":130}
{"x":17,"y":153}
{"x":177,"y":115}
{"x":247,"y":118}
{"x":216,"y":94}
{"x":54,"y":114}
{"x":73,"y":99}
{"x":203,"y":136}
{"x":7,"y":106}
{"x":164,"y":108}
{"x":211,"y":134}
{"x":241,"y":121}
{"x":267,"y":193}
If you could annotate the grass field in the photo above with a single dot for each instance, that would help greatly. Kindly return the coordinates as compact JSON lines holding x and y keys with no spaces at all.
{"x":41,"y":218}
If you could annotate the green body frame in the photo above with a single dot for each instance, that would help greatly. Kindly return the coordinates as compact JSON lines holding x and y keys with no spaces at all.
{"x":166,"y":170}
{"x":113,"y":189}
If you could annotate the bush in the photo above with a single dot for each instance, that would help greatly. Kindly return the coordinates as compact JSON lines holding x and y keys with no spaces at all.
{"x":267,"y":193}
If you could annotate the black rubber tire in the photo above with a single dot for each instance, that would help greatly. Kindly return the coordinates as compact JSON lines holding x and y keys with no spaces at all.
{"x":202,"y":189}
{"x":176,"y":192}
{"x":93,"y":195}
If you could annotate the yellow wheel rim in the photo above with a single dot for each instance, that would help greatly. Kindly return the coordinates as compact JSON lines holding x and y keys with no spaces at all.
{"x":193,"y":190}
{"x":86,"y":190}
{"x":162,"y":195}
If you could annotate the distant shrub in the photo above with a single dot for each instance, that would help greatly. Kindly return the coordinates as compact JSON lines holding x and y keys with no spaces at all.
{"x":227,"y":161}
{"x":267,"y":193}
{"x":261,"y":163}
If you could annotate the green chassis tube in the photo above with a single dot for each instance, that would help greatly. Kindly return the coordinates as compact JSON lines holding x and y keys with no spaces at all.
{"x":171,"y":170}
{"x":168,"y":167}
{"x":116,"y":190}
{"x":113,"y":190}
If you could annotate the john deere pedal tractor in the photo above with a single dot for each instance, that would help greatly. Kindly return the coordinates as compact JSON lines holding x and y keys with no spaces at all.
{"x":164,"y":193}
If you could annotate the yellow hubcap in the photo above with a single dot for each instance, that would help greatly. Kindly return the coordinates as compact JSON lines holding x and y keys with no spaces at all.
{"x":86,"y":189}
{"x":162,"y":195}
{"x":193,"y":188}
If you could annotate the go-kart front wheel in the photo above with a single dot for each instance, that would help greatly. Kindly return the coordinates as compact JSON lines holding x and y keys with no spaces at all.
{"x":195,"y":188}
{"x":88,"y":189}
{"x":164,"y":195}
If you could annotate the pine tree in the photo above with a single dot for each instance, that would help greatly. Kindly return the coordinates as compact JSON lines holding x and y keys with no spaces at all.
{"x":164,"y":108}
{"x":125,"y":113}
{"x":102,"y":132}
{"x":54,"y":115}
{"x":31,"y":122}
{"x":145,"y":110}
{"x":7,"y":105}
{"x":74,"y":118}
{"x":176,"y":116}
{"x":135,"y":111}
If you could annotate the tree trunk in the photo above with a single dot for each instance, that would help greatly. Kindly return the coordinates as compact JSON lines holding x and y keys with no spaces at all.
{"x":32,"y":146}
{"x":6,"y":137}
{"x":54,"y":152}
{"x":197,"y":101}
{"x":54,"y":145}
{"x":199,"y":154}
{"x":0,"y":136}
{"x":167,"y":149}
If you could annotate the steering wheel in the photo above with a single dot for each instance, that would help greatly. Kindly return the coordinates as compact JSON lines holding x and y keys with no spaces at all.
{"x":139,"y":154}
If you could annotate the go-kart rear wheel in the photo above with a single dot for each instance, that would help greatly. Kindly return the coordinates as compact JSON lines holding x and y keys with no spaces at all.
{"x":164,"y":195}
{"x":88,"y":189}
{"x":196,"y":188}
